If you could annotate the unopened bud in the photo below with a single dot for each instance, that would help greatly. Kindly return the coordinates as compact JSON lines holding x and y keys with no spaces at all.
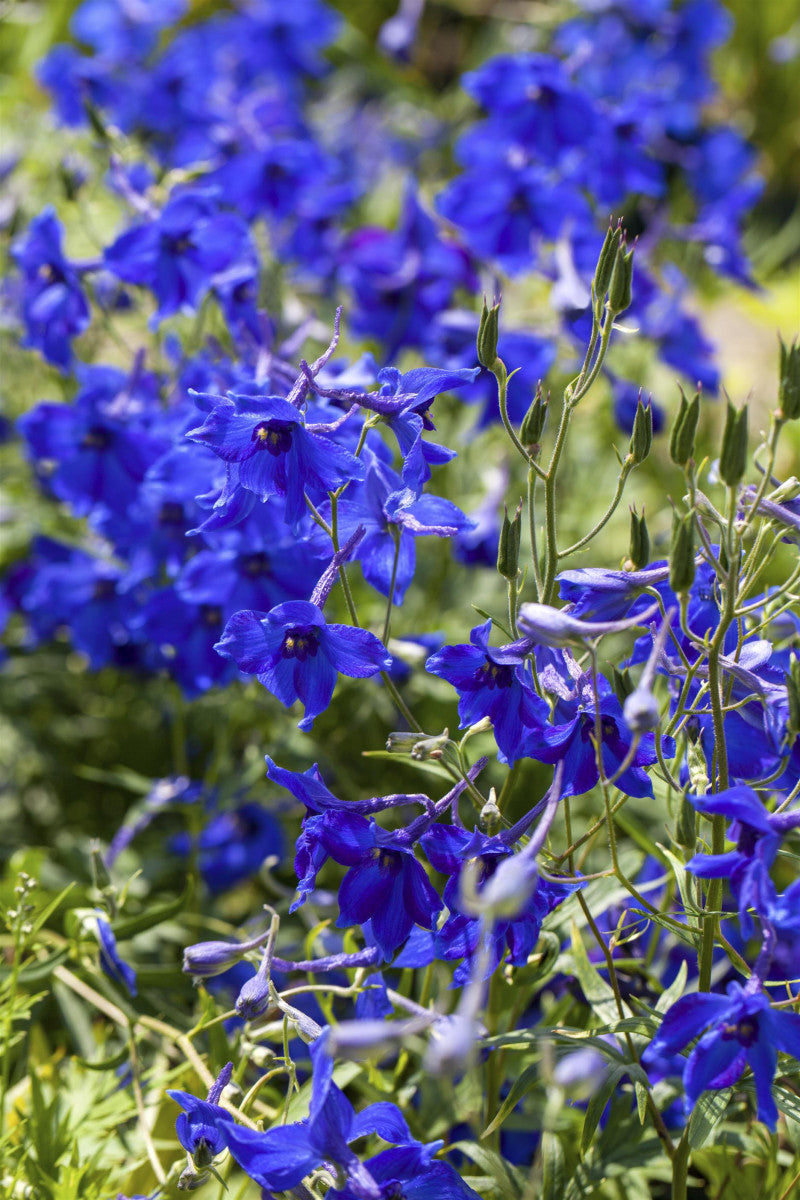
{"x":490,"y":816}
{"x":681,"y":438}
{"x":619,"y":289}
{"x":641,"y":711}
{"x":639,"y":549}
{"x":508,"y":548}
{"x":190,"y":1180}
{"x":789,"y":382}
{"x":681,"y":554}
{"x":487,"y":335}
{"x":605,"y":263}
{"x":733,"y":457}
{"x":622,"y":683}
{"x":642,"y":433}
{"x":205,"y":959}
{"x":535,"y":419}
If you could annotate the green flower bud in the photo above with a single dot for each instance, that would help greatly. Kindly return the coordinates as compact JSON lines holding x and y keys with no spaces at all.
{"x":605,"y":263}
{"x":639,"y":551}
{"x":535,"y":419}
{"x":508,"y":549}
{"x":642,"y":433}
{"x":487,"y":335}
{"x":789,"y":383}
{"x":681,"y":438}
{"x":681,"y":554}
{"x":619,"y":289}
{"x":622,"y":683}
{"x":733,"y":457}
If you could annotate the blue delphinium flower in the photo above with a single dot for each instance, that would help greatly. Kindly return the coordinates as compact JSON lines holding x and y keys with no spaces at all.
{"x":385,"y":884}
{"x":275,"y":454}
{"x":99,"y":447}
{"x":234,"y":845}
{"x":297,"y":655}
{"x":393,"y":516}
{"x":757,"y":833}
{"x":744,"y":1030}
{"x":198,"y":1127}
{"x":450,"y":849}
{"x":570,"y":736}
{"x":491,"y":682}
{"x":54,"y":304}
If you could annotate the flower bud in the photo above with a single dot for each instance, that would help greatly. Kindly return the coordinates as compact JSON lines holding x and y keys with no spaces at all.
{"x":619,"y":289}
{"x":190,"y":1179}
{"x":642,"y":433}
{"x":487,"y":335}
{"x":605,"y":263}
{"x":639,"y":549}
{"x":733,"y":457}
{"x":681,"y":554}
{"x":535,"y":419}
{"x":641,"y":711}
{"x":621,"y":682}
{"x":789,"y":382}
{"x":254,"y":999}
{"x":681,"y":438}
{"x":205,"y":959}
{"x":508,"y":548}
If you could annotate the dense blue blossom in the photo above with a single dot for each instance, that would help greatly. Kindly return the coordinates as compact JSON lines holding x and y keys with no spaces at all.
{"x":297,"y":655}
{"x":54,"y":303}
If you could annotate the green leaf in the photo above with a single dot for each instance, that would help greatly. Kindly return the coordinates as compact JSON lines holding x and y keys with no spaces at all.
{"x":706,"y":1115}
{"x":597,"y":992}
{"x":105,"y":1064}
{"x":127,"y":927}
{"x":553,"y":1172}
{"x":595,"y":1107}
{"x":674,"y":991}
{"x":508,"y":1179}
{"x":527,"y":1080}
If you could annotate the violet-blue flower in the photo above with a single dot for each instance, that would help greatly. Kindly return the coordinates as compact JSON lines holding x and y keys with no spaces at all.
{"x":742,"y":1029}
{"x":491,"y":682}
{"x":297,"y":655}
{"x":275,"y":453}
{"x":55,"y":307}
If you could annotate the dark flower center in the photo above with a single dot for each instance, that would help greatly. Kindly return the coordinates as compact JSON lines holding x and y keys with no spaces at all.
{"x":495,"y":675}
{"x":171,"y":513}
{"x":211,"y":615}
{"x":275,"y":436}
{"x":745,"y":1031}
{"x":96,"y":438}
{"x":103,"y":589}
{"x":255,"y":565}
{"x":300,"y":644}
{"x":389,"y":861}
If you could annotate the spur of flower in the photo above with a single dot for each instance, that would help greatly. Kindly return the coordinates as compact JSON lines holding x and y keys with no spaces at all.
{"x":297,"y":655}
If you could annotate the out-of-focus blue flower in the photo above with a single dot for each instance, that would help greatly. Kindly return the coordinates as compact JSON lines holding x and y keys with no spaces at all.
{"x":297,"y":655}
{"x":744,"y":1031}
{"x":54,"y":304}
{"x":98,"y":448}
{"x":185,"y":251}
{"x":234,"y":845}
